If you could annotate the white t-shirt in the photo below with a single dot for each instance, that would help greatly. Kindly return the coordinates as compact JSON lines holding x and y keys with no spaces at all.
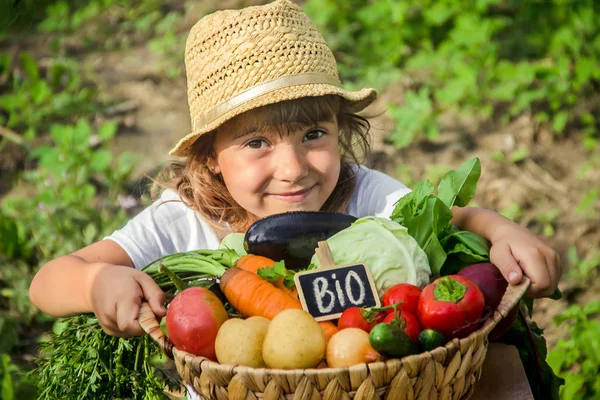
{"x":168,"y":226}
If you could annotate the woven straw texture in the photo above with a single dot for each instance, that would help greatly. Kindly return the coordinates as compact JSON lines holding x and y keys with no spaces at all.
{"x":238,"y":60}
{"x":448,"y":372}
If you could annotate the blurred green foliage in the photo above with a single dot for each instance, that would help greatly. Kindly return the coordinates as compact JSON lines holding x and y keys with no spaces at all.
{"x":482,"y":58}
{"x":33,"y":97}
{"x":577,"y":357}
{"x":69,"y":200}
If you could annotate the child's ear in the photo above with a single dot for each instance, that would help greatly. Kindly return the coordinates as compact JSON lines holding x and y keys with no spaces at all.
{"x":213,"y":167}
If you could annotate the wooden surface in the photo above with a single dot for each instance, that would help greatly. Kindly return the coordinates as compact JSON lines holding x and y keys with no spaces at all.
{"x":502,"y":376}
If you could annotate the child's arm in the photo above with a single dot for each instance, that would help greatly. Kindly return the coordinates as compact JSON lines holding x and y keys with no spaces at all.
{"x":515,"y":250}
{"x":99,"y":278}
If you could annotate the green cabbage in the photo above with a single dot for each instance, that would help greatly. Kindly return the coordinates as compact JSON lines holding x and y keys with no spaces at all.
{"x":391,"y":254}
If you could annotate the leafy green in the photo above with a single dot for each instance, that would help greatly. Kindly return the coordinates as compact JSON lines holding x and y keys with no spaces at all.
{"x":458,"y":187}
{"x":428,"y":217}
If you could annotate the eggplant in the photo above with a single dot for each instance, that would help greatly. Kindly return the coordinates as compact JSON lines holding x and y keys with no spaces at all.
{"x":293,"y":236}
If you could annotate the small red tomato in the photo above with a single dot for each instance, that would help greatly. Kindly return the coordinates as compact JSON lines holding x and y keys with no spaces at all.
{"x":193,"y":320}
{"x":357,"y":317}
{"x":412,"y":327}
{"x":452,"y":305}
{"x":403,"y":292}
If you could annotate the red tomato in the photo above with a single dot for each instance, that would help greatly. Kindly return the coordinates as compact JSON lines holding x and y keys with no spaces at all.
{"x":412,"y":327}
{"x":452,"y":305}
{"x":193,"y":320}
{"x":357,"y":317}
{"x":403,"y":292}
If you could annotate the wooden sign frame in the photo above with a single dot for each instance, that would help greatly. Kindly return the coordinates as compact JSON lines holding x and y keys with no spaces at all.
{"x":326,"y":260}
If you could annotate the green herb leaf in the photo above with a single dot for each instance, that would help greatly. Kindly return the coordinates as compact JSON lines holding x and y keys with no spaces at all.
{"x":288,"y":281}
{"x":276,"y":272}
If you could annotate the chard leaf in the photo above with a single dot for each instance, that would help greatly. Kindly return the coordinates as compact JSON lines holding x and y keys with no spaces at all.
{"x":464,"y":248}
{"x":436,"y":255}
{"x":426,"y":227}
{"x":433,"y":219}
{"x":459,"y":257}
{"x":458,"y":187}
{"x":412,"y":203}
{"x":428,"y":216}
{"x":471,"y":243}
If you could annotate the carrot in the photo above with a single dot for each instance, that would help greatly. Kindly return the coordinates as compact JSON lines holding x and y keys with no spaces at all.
{"x":294,"y":292}
{"x":252,"y":263}
{"x":329,"y":329}
{"x":253,"y":296}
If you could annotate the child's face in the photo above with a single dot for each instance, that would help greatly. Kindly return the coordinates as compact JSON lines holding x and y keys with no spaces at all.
{"x":269,"y":172}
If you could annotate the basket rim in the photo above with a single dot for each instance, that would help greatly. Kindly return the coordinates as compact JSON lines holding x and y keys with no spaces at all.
{"x":511,"y":297}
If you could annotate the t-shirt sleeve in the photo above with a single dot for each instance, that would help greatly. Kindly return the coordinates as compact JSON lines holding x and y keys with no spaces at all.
{"x":375,"y":194}
{"x":167,"y":226}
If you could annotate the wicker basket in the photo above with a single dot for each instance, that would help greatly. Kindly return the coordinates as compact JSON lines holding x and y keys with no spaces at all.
{"x":448,"y":372}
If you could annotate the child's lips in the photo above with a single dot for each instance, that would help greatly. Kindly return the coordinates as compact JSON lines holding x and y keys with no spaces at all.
{"x":293,"y":197}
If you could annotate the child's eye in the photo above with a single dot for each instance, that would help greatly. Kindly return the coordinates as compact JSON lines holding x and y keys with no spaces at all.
{"x":312,"y":135}
{"x":256,"y":143}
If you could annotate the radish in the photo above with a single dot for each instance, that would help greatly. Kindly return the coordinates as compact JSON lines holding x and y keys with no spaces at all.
{"x":493,"y":285}
{"x":489,"y":279}
{"x":193,"y":320}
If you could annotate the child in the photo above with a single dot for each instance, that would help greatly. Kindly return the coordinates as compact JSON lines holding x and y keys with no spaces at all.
{"x":273,"y":131}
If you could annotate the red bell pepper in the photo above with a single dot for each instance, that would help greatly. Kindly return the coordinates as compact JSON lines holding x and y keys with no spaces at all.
{"x":452,"y":305}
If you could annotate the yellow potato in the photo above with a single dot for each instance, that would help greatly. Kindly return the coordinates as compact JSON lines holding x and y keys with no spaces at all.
{"x":294,"y":340}
{"x":239,"y":341}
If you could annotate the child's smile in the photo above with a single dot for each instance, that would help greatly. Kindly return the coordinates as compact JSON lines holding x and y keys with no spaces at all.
{"x":293,"y":196}
{"x":269,"y":171}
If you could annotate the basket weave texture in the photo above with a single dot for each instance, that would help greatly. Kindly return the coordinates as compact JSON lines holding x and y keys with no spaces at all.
{"x":448,"y":372}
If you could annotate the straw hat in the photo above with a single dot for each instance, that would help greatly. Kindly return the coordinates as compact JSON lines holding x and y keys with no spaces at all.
{"x":238,"y":60}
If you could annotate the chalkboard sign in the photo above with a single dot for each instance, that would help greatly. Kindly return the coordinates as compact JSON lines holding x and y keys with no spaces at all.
{"x":326,"y":292}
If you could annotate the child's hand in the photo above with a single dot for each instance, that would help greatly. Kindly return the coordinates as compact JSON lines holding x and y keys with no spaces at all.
{"x":116,"y":295}
{"x":515,"y":250}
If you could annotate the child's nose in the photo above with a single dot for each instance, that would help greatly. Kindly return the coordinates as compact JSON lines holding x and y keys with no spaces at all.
{"x":290,"y":163}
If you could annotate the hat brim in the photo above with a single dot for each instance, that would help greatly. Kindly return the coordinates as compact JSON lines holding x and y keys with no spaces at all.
{"x":358,"y":100}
